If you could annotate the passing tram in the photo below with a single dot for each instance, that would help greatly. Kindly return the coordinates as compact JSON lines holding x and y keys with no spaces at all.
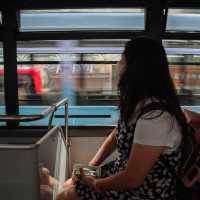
{"x":94,"y":73}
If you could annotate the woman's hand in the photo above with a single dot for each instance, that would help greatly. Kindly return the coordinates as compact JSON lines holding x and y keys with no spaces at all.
{"x":90,"y":181}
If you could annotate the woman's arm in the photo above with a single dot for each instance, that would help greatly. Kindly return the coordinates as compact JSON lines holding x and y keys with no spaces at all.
{"x":141,"y":161}
{"x":104,"y":151}
{"x":108,"y":146}
{"x":150,"y":140}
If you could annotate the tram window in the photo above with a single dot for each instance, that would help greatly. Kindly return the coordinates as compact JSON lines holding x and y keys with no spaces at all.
{"x":38,"y":84}
{"x":44,"y":83}
{"x":175,"y":58}
{"x":55,"y":57}
{"x":187,"y":76}
{"x":1,"y":54}
{"x":183,"y":20}
{"x":80,"y":69}
{"x":89,"y":72}
{"x":95,"y":81}
{"x":2,"y":102}
{"x":0,"y":18}
{"x":187,"y":46}
{"x":184,"y":60}
{"x":194,"y":76}
{"x":186,"y":80}
{"x":179,"y":76}
{"x":23,"y":57}
{"x":101,"y":57}
{"x":82,"y":19}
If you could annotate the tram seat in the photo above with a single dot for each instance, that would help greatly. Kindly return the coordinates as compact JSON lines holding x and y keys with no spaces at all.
{"x":22,"y":159}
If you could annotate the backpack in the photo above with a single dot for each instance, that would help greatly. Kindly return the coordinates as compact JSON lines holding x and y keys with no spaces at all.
{"x":188,"y":179}
{"x":190,"y":169}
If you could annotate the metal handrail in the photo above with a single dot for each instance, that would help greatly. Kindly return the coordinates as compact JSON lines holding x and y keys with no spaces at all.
{"x":34,"y":117}
{"x":49,"y":111}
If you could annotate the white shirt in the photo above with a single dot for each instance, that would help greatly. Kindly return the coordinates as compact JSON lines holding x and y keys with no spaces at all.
{"x":163,"y":130}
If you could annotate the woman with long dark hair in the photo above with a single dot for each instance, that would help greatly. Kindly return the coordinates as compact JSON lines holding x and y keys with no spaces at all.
{"x":148,"y":142}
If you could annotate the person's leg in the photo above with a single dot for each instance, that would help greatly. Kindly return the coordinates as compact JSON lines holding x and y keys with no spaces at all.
{"x":47,"y":179}
{"x":68,"y":193}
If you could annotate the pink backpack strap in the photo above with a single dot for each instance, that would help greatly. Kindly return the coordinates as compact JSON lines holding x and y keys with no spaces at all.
{"x":193,"y":118}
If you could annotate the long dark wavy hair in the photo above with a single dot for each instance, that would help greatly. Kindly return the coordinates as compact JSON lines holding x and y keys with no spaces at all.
{"x":146,"y":75}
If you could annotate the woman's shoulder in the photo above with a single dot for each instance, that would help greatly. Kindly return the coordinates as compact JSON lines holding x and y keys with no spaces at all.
{"x":162,"y":130}
{"x":149,"y":107}
{"x":157,"y":127}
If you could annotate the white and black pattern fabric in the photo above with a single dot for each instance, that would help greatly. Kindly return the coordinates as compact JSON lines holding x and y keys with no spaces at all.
{"x":159,"y":184}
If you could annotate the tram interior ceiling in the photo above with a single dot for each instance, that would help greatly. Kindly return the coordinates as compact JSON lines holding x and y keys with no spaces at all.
{"x":50,"y":50}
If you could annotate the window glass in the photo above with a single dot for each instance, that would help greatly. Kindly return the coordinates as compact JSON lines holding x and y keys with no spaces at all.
{"x":23,"y":57}
{"x":55,"y":57}
{"x":2,"y":101}
{"x":38,"y":84}
{"x":81,"y":74}
{"x":95,"y":83}
{"x":187,"y":82}
{"x":183,"y":20}
{"x":87,"y":77}
{"x":184,"y":61}
{"x":101,"y":57}
{"x":1,"y":53}
{"x":86,"y":72}
{"x":82,"y":19}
